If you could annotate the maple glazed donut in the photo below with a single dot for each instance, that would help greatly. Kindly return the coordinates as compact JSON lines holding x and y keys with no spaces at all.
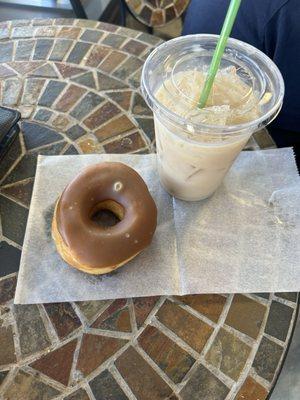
{"x":85,"y":245}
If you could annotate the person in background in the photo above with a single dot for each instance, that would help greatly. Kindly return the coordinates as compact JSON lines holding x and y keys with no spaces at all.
{"x":272,"y":26}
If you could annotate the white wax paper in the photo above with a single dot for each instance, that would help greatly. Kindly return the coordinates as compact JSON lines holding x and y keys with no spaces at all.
{"x":245,"y":238}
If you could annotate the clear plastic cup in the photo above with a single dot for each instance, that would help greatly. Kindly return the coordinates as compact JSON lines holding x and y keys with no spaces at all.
{"x":195,"y":149}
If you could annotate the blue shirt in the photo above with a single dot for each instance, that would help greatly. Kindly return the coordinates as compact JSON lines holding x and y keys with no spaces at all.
{"x":273,"y":26}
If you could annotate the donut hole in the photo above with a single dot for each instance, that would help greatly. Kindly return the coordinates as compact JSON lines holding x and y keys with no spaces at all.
{"x":107,"y":213}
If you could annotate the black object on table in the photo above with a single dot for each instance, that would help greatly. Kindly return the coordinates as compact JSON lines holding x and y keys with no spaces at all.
{"x":9,"y":128}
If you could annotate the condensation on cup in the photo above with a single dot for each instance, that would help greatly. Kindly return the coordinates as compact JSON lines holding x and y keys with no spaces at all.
{"x":196,"y":147}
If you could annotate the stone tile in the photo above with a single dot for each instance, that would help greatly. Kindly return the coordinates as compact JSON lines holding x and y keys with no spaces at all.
{"x":113,"y":40}
{"x":7,"y":287}
{"x":107,"y":27}
{"x":279,"y":320}
{"x":144,"y":382}
{"x":86,"y":79}
{"x":246,"y":315}
{"x":135,"y":79}
{"x":12,"y":92}
{"x":58,"y":363}
{"x":107,"y":83}
{"x":3,"y":375}
{"x":60,"y":49}
{"x":32,"y":90}
{"x":142,"y":308}
{"x":25,"y":386}
{"x":22,"y":32}
{"x":7,"y":349}
{"x":251,"y":390}
{"x":11,"y":156}
{"x":263,"y":295}
{"x":147,"y":125}
{"x":151,"y":39}
{"x":119,"y":321}
{"x":128,"y":32}
{"x":105,"y":387}
{"x":134,"y":47}
{"x":24,"y":50}
{"x":69,"y":98}
{"x":23,"y":170}
{"x":122,"y":98}
{"x":52,"y":91}
{"x":115,"y":317}
{"x":36,"y":135}
{"x":68,"y":71}
{"x":71,"y":151}
{"x":128,"y":68}
{"x":80,"y":394}
{"x":61,"y":122}
{"x":102,"y":115}
{"x":78,"y":52}
{"x":86,"y":23}
{"x":86,"y":105}
{"x":91,"y":308}
{"x":95,"y":350}
{"x":126,"y":144}
{"x":228,"y":353}
{"x":97,"y":54}
{"x":45,"y":71}
{"x":19,"y":22}
{"x":24,"y":67}
{"x":112,"y":61}
{"x":189,"y":328}
{"x":42,"y":22}
{"x":69,"y":32}
{"x":43,"y":115}
{"x":45,"y":31}
{"x":9,"y":256}
{"x":174,"y":361}
{"x":13,"y":229}
{"x":32,"y":333}
{"x":42,"y":49}
{"x":63,"y":318}
{"x":139,"y":106}
{"x":90,"y":35}
{"x":6,"y":72}
{"x":64,"y":21}
{"x":6,"y":51}
{"x":180,"y":6}
{"x":21,"y":191}
{"x":146,"y":14}
{"x":75,"y":132}
{"x":26,"y":111}
{"x":158,"y":17}
{"x":90,"y":145}
{"x":210,"y":305}
{"x":267,"y":359}
{"x":170,"y":13}
{"x":203,"y":385}
{"x":115,"y":127}
{"x":4,"y":32}
{"x":291,"y":296}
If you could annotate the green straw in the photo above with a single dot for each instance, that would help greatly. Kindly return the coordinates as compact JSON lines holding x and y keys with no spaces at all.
{"x":215,"y":63}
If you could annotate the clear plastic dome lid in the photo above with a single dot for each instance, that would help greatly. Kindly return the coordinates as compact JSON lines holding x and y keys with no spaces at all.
{"x":247,"y":92}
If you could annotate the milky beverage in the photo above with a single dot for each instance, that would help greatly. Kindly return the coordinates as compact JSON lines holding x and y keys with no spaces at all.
{"x":193,"y":164}
{"x":196,"y":147}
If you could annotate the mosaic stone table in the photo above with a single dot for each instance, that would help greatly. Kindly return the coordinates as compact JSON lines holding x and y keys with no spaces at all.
{"x":76,"y":84}
{"x":157,"y":12}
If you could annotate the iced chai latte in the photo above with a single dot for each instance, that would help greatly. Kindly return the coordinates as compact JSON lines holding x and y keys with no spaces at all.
{"x":196,"y":147}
